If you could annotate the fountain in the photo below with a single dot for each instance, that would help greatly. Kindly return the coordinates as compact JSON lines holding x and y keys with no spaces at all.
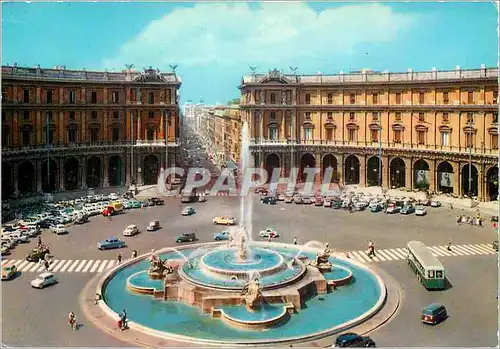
{"x":229,"y":293}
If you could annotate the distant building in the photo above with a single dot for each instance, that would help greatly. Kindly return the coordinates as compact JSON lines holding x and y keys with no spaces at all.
{"x":433,"y":129}
{"x":72,"y":130}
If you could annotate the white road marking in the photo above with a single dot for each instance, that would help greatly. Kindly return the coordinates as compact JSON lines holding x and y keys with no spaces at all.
{"x":94,"y":267}
{"x":357,"y":257}
{"x":365,"y":257}
{"x":460,"y":250}
{"x":382,"y":253}
{"x":35,"y":267}
{"x":434,"y":252}
{"x":5,"y":261}
{"x":442,"y":250}
{"x":393,"y":255}
{"x":73,"y":266}
{"x":87,"y":267}
{"x":112,"y":264}
{"x":471,"y":251}
{"x":80,"y":266}
{"x":101,"y":268}
{"x":489,"y":247}
{"x":484,"y":249}
{"x":63,"y":269}
{"x":28,"y":266}
{"x":399,"y":254}
{"x":20,"y":266}
{"x":58,"y":266}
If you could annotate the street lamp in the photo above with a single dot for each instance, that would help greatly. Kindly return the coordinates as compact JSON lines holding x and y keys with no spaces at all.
{"x":469,"y":122}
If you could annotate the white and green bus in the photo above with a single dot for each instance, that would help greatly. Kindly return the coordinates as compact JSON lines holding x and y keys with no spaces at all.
{"x":429,"y":270}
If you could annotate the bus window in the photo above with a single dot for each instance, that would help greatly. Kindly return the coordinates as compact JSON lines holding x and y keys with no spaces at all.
{"x":439,"y":274}
{"x":431,"y":274}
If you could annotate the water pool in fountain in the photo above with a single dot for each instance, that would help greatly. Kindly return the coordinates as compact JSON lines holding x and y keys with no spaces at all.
{"x":321,"y":312}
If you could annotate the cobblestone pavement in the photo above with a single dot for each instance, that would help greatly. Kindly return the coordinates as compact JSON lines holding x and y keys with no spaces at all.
{"x":38,"y":317}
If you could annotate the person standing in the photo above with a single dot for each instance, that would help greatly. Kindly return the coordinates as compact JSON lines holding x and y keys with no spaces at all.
{"x":134,"y":254}
{"x":295,"y":240}
{"x":371,"y":249}
{"x":449,"y":246}
{"x":119,"y":258}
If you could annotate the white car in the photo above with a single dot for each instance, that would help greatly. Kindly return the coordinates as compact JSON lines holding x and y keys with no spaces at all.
{"x":44,"y":279}
{"x":269,"y":233}
{"x":18,"y":237}
{"x":131,"y":230}
{"x":435,"y":204}
{"x":420,"y":211}
{"x":60,"y":229}
{"x":113,"y":196}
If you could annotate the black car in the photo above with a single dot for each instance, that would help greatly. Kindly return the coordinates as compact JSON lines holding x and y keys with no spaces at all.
{"x":157,"y":201}
{"x":354,"y":340}
{"x":271,"y":200}
{"x":47,"y":223}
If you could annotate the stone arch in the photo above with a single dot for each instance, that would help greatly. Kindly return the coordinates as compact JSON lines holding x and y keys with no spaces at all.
{"x":7,"y":181}
{"x":372,"y":171}
{"x":26,"y":177}
{"x":471,"y":190}
{"x":444,"y":177}
{"x":94,"y":172}
{"x":492,"y":183}
{"x":150,"y":169}
{"x":272,"y":161}
{"x":49,"y":175}
{"x":351,"y":166}
{"x":307,"y":160}
{"x":397,"y":171}
{"x":71,"y":173}
{"x":115,"y":171}
{"x":330,"y":163}
{"x":421,"y":174}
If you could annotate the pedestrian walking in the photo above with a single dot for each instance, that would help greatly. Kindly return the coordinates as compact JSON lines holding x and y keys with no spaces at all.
{"x":134,"y":254}
{"x":119,"y":258}
{"x":348,"y":255}
{"x":295,"y":240}
{"x":98,"y":297}
{"x":39,"y":241}
{"x":449,"y":246}
{"x":371,"y":249}
{"x":46,"y":265}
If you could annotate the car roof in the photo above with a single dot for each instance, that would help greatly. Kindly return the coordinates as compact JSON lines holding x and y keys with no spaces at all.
{"x":433,"y":306}
{"x":46,"y":274}
{"x":347,"y":336}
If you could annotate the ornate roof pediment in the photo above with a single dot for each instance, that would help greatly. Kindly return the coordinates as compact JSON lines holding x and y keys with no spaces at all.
{"x":352,"y":126}
{"x":274,"y":76}
{"x":150,"y":75}
{"x":469,"y":129}
{"x":398,"y":127}
{"x":330,"y":125}
{"x":374,"y":126}
{"x":421,"y":127}
{"x":445,"y":128}
{"x":493,"y":130}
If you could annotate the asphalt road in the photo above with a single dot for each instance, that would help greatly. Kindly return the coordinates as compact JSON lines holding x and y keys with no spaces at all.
{"x":38,"y":317}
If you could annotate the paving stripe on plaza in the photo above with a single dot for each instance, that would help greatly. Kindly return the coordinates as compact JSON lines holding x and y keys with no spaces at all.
{"x":383,"y":255}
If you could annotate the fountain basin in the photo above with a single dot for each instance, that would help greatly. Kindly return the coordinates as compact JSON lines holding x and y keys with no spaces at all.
{"x":268,"y":315}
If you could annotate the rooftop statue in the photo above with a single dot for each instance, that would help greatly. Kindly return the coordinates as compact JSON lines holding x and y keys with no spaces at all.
{"x":251,"y":294}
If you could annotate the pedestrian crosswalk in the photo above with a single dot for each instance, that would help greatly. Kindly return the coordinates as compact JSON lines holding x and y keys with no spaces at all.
{"x":382,"y":255}
{"x":394,"y":254}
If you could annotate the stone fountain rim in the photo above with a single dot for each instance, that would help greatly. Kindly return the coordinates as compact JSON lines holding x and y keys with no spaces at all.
{"x":102,"y":282}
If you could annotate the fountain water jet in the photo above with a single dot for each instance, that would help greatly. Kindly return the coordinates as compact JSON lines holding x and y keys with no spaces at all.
{"x":245,"y":200}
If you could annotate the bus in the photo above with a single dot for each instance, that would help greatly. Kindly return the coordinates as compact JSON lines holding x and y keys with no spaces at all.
{"x":429,"y":270}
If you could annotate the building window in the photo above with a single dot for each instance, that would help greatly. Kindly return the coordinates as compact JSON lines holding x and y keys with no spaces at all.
{"x":398,"y":98}
{"x":446,"y":97}
{"x":445,"y":117}
{"x":421,"y":117}
{"x":71,"y":116}
{"x":495,"y":97}
{"x":94,"y":134}
{"x":469,"y":139}
{"x":115,"y":134}
{"x":421,"y":137}
{"x":26,"y":116}
{"x":116,"y":114}
{"x":374,"y":116}
{"x":257,"y":95}
{"x":445,"y":139}
{"x":470,"y":97}
{"x":93,"y":97}
{"x":351,"y":135}
{"x":94,"y":115}
{"x":494,"y":118}
{"x":352,"y":98}
{"x":272,"y":115}
{"x":329,"y":115}
{"x":115,"y":97}
{"x":273,"y":97}
{"x":48,"y":116}
{"x":49,"y":137}
{"x":398,"y":116}
{"x":72,"y":97}
{"x":273,"y":133}
{"x":4,"y":96}
{"x":49,"y":97}
{"x":72,"y":135}
{"x":374,"y":135}
{"x":494,"y":141}
{"x":308,"y":115}
{"x":375,"y":98}
{"x":329,"y":134}
{"x":26,"y":138}
{"x":421,"y":98}
{"x":4,"y":116}
{"x":151,"y":114}
{"x":151,"y":98}
{"x":308,"y":98}
{"x":470,"y":118}
{"x":352,"y":116}
{"x":26,"y":96}
{"x":151,"y":132}
{"x":397,"y":136}
{"x":308,"y":134}
{"x":330,"y":98}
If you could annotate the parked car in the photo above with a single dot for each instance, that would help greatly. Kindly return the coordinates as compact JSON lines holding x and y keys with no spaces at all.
{"x":271,"y":200}
{"x":269,"y":233}
{"x":353,"y":340}
{"x":434,"y":313}
{"x":494,"y":245}
{"x":336,"y":204}
{"x":261,"y":191}
{"x":392,"y":209}
{"x":131,"y":230}
{"x":113,"y":196}
{"x":435,"y":204}
{"x":202,"y":198}
{"x":281,"y":197}
{"x":188,"y":211}
{"x":18,"y":237}
{"x":153,"y":226}
{"x":297,"y":199}
{"x":43,"y":280}
{"x":4,"y":249}
{"x":327,"y":202}
{"x":224,"y":221}
{"x":60,"y":229}
{"x":185,"y":237}
{"x":376,"y":208}
{"x":407,"y":210}
{"x":158,"y":201}
{"x":9,"y":272}
{"x":420,"y":211}
{"x":222,"y":235}
{"x":110,"y":244}
{"x":318,"y":201}
{"x":306,"y":200}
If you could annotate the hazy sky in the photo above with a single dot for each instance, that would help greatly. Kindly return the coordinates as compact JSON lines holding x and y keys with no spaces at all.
{"x":214,"y":44}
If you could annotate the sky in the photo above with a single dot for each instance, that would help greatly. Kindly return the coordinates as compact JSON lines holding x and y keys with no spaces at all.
{"x":214,"y":44}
